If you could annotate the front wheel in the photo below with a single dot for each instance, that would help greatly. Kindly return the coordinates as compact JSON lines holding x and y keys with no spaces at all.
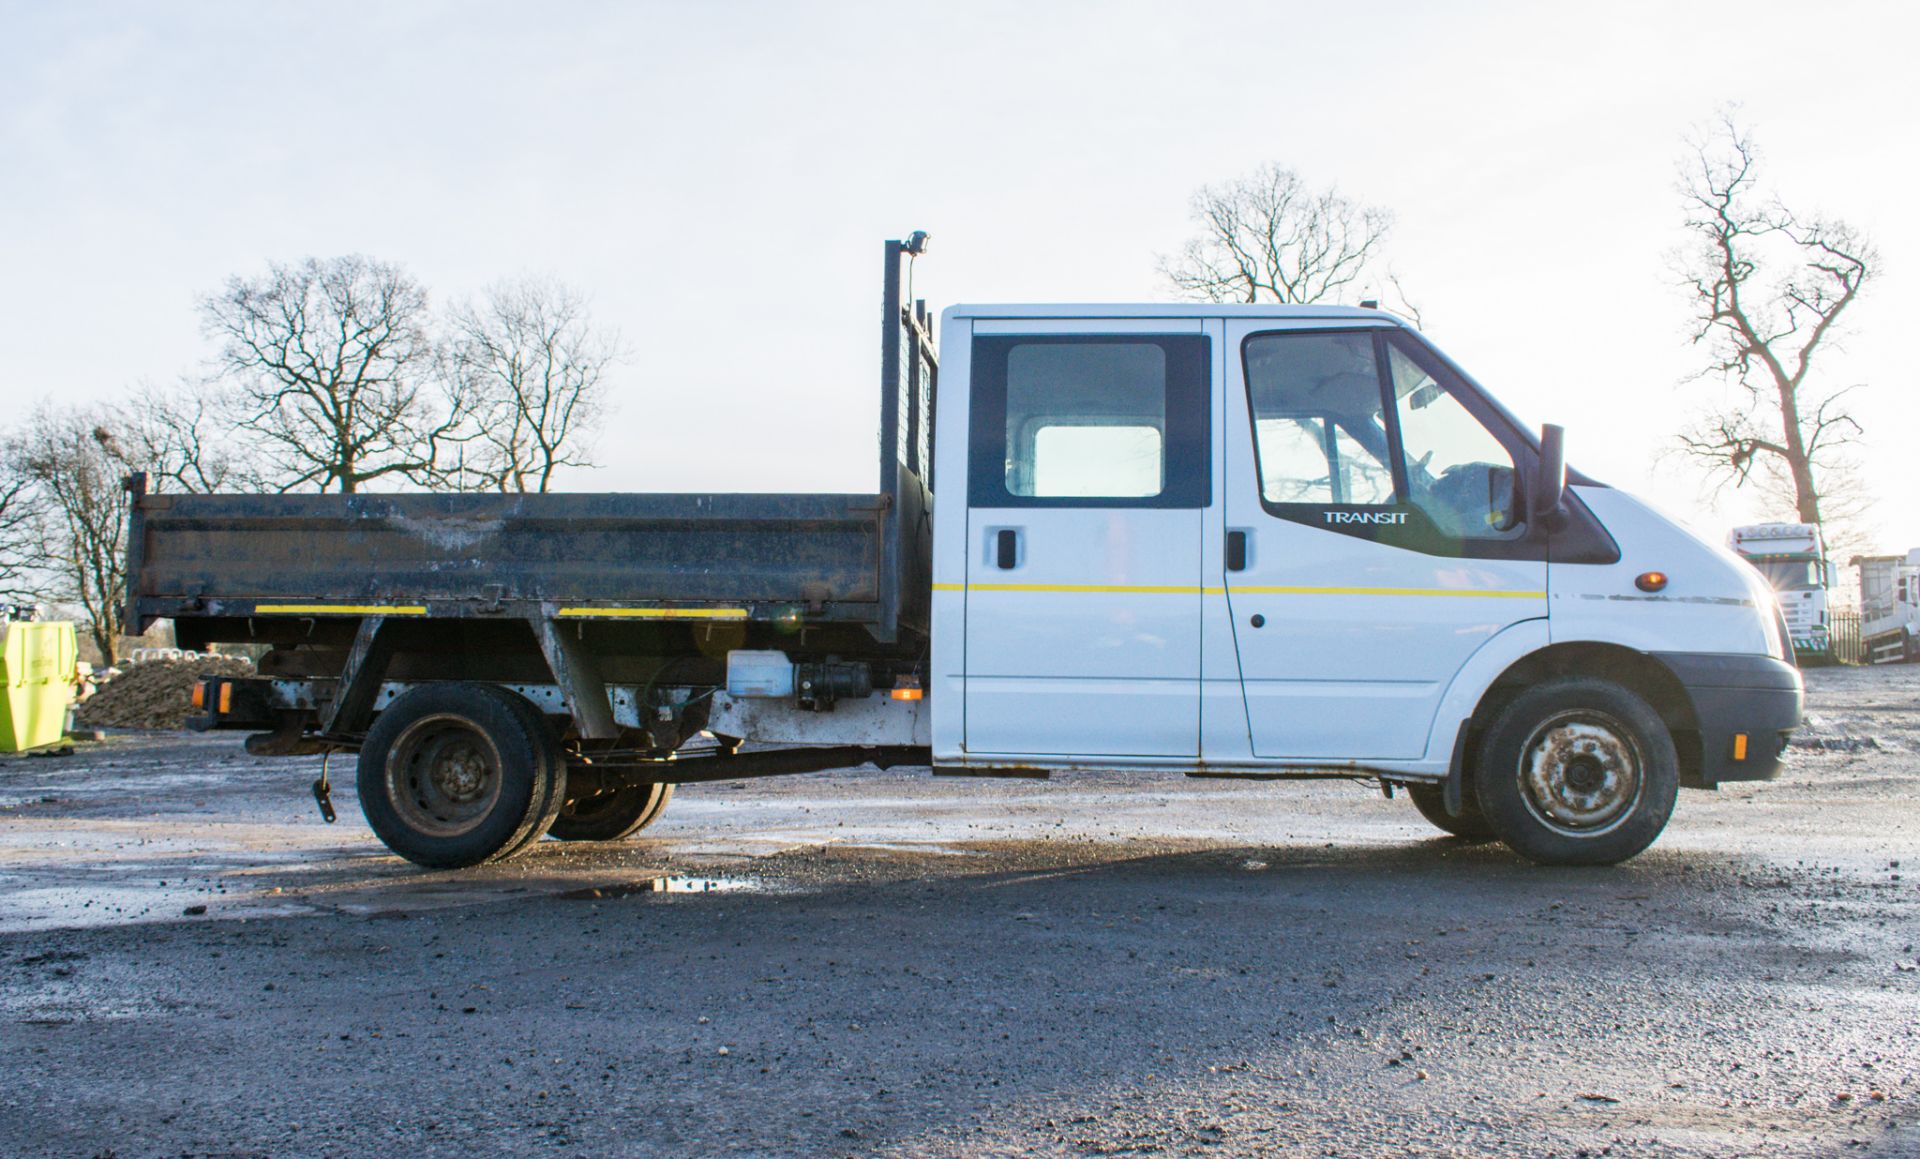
{"x":1577,"y":771}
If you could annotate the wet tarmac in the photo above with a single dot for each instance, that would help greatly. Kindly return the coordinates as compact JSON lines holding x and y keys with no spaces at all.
{"x":192,"y":962}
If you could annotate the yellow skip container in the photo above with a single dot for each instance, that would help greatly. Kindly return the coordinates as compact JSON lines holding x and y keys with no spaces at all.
{"x":37,"y":665}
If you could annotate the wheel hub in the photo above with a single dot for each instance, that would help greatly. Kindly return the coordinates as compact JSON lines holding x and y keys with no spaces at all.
{"x":443,"y":775}
{"x":1582,"y":772}
{"x":460,"y":773}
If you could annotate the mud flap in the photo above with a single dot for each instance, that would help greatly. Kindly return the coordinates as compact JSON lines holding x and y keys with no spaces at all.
{"x":1452,"y":791}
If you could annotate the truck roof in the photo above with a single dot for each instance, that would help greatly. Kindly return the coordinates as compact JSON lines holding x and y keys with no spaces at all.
{"x":1166,"y":310}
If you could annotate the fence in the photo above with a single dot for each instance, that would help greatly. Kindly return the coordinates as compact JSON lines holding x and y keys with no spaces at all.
{"x":1843,"y":628}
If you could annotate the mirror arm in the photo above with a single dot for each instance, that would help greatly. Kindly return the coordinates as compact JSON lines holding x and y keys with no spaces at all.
{"x":1546,"y":498}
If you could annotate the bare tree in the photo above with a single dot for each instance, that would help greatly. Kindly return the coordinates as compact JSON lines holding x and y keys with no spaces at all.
{"x":333,"y":362}
{"x":1768,"y":287}
{"x":19,"y":538}
{"x":531,"y":365}
{"x":174,"y":436}
{"x":73,"y":466}
{"x":1268,"y":237}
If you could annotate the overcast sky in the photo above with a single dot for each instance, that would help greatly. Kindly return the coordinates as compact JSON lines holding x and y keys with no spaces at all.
{"x":718,"y":178}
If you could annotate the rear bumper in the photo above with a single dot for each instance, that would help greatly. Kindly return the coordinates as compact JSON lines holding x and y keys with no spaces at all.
{"x":1739,"y":696}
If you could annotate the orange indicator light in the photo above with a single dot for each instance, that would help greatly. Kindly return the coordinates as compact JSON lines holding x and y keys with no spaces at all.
{"x":908,"y":694}
{"x":1650,"y":581}
{"x":1739,"y":746}
{"x":226,"y":697}
{"x":200,"y":694}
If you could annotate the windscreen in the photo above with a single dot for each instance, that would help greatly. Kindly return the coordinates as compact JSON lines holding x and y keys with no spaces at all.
{"x":1790,"y":575}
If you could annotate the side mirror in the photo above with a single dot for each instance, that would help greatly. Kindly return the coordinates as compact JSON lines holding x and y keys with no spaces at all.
{"x":1550,"y":483}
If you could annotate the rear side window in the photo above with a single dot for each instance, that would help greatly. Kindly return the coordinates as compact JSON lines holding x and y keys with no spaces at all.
{"x":1090,"y":420}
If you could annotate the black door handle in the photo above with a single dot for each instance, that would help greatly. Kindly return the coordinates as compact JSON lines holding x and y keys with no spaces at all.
{"x":1236,"y":551}
{"x":1006,"y":546}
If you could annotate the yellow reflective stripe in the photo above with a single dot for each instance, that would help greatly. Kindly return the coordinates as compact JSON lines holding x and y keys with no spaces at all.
{"x":1179,"y":589}
{"x":653,"y":613}
{"x":1155,"y":589}
{"x":339,"y":610}
{"x":1319,"y":591}
{"x":1163,"y":589}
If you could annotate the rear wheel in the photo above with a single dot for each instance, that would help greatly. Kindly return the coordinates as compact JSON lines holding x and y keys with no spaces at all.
{"x":556,"y":795}
{"x":1577,"y":771}
{"x":613,"y":815}
{"x":453,"y":775}
{"x":1471,"y":824}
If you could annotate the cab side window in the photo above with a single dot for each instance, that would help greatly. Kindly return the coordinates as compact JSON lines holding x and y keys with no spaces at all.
{"x":1457,"y":472}
{"x":1319,"y":436}
{"x":1312,"y":459}
{"x":1090,"y":421}
{"x":1086,"y":420}
{"x":1355,"y":434}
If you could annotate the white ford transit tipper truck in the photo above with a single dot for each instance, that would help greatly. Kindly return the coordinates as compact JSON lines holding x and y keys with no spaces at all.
{"x":1230,"y":541}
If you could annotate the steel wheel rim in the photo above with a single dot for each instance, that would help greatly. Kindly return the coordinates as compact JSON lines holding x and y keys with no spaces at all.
{"x":1582,"y":772}
{"x":443,"y":775}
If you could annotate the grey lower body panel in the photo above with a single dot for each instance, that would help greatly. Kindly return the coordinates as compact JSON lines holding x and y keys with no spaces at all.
{"x":1739,"y":695}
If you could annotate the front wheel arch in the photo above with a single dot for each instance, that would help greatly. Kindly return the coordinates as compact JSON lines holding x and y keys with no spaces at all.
{"x":1629,"y":668}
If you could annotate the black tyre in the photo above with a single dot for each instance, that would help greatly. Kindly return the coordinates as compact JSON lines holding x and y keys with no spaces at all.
{"x":1577,"y":771}
{"x":1471,"y":824}
{"x":612,"y":816}
{"x":453,"y":775}
{"x":556,"y":794}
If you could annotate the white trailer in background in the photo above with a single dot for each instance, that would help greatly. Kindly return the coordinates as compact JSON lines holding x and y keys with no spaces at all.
{"x":1793,"y":557}
{"x":1890,"y":607}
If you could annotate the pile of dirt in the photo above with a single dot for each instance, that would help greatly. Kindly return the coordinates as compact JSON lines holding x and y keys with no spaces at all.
{"x":154,"y":693}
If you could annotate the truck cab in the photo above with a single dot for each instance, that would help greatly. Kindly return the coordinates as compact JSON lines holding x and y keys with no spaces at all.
{"x":1793,"y":558}
{"x":1253,"y":539}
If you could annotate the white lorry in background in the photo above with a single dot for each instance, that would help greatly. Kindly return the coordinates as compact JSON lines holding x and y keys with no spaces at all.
{"x":1890,"y":607}
{"x":1793,"y":557}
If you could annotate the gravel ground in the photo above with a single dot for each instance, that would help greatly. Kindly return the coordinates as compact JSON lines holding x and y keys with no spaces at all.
{"x":866,"y":963}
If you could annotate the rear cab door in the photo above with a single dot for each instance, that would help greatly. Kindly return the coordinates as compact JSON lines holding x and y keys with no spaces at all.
{"x":1089,"y":480}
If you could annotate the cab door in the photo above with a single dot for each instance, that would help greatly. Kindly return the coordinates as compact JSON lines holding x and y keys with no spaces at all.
{"x":1374,"y":538}
{"x":1089,"y":480}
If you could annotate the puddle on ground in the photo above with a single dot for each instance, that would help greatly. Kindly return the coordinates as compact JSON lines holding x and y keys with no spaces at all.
{"x":661,"y":885}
